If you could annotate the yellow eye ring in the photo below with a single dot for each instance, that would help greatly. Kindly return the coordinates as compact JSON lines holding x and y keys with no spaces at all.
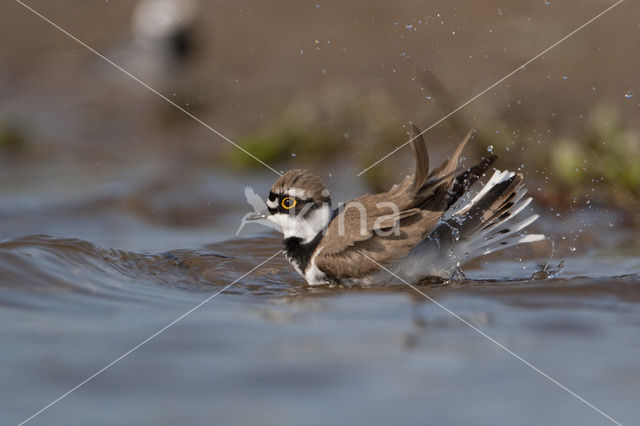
{"x":288,"y":203}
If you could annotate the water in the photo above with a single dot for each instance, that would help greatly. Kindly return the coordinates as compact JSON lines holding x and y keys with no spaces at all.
{"x":271,"y":350}
{"x":93,"y":261}
{"x":133,"y":251}
{"x":116,"y":221}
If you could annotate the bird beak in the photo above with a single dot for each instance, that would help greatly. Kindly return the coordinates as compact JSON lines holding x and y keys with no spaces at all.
{"x":257,"y":215}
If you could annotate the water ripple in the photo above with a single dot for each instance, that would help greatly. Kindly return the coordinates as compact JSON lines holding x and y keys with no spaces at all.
{"x":46,"y":271}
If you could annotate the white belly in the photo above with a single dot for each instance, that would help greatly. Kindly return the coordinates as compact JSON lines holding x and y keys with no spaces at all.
{"x":315,"y":276}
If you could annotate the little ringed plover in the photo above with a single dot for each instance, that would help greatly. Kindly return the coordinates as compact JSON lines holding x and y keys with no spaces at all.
{"x":426,"y":226}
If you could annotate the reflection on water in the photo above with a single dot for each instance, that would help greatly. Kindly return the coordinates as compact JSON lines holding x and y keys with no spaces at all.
{"x":318,"y":355}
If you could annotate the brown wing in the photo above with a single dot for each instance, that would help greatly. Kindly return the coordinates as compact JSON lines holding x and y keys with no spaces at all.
{"x":341,"y":257}
{"x":366,"y":224}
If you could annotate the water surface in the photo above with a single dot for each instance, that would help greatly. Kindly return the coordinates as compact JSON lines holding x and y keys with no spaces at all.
{"x":271,"y":350}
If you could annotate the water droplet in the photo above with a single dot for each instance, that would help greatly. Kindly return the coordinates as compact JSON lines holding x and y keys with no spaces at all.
{"x":408,"y":26}
{"x":572,"y":249}
{"x":564,"y":77}
{"x":428,"y":98}
{"x":629,"y":94}
{"x":500,"y":12}
{"x":490,"y":148}
{"x":547,"y":2}
{"x":293,"y":154}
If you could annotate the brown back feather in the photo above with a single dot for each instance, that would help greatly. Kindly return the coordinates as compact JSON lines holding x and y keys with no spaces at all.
{"x":421,"y":156}
{"x":421,"y":201}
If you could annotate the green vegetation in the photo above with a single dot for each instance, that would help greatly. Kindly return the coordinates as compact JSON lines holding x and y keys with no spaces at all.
{"x":606,"y":155}
{"x":607,"y":152}
{"x":327,"y":128}
{"x":12,"y":139}
{"x":279,"y":142}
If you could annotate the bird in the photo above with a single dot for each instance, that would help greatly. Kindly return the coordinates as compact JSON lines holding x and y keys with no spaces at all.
{"x":166,"y":27}
{"x":424,"y":227}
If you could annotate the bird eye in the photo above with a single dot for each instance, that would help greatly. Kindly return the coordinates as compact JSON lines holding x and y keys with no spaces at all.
{"x":288,"y":202}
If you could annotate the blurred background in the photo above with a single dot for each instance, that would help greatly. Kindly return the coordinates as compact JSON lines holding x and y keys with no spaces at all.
{"x":328,"y":86}
{"x":136,"y":205}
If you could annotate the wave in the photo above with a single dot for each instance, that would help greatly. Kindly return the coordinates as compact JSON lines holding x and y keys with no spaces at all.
{"x":63,"y":269}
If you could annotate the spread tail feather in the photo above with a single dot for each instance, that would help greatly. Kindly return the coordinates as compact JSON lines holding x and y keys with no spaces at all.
{"x":482,"y":220}
{"x":474,"y":222}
